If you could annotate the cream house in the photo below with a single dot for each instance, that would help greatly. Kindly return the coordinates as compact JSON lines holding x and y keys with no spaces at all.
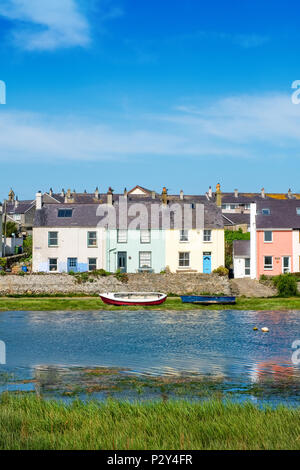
{"x":198,"y":250}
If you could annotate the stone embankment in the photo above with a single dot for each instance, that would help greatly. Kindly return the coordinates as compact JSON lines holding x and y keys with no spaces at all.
{"x":169,"y":283}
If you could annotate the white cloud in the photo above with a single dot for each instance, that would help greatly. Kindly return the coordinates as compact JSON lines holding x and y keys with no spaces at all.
{"x":238,"y":127}
{"x":46,"y":24}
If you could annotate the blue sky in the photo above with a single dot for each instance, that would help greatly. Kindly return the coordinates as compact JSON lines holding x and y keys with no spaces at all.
{"x":123,"y":92}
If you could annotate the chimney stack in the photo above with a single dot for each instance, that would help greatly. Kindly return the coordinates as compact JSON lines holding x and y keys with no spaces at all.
{"x":290,"y":196}
{"x":50,"y":192}
{"x":17,"y":202}
{"x":97,"y":193}
{"x":210,"y":192}
{"x":218,"y":195}
{"x":62,"y":193}
{"x":125,"y":192}
{"x":38,"y":200}
{"x":263,"y":192}
{"x":11,"y":195}
{"x":181,"y":194}
{"x":153,"y":195}
{"x":164,"y":196}
{"x":110,"y":196}
{"x":236,"y":193}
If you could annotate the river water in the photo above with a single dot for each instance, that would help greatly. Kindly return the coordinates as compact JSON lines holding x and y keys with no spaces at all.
{"x":210,"y":344}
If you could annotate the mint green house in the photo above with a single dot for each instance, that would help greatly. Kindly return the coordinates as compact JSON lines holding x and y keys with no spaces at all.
{"x":135,"y":251}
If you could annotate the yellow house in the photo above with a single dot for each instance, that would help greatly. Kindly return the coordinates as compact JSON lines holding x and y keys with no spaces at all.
{"x":197,"y":250}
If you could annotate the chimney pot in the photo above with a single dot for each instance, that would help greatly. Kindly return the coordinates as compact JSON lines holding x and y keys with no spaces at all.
{"x":125,"y":192}
{"x":236,"y":193}
{"x":290,"y":193}
{"x":62,"y":193}
{"x":263,"y":192}
{"x":97,"y":193}
{"x":164,"y":195}
{"x":181,"y":194}
{"x":50,"y":191}
{"x":210,"y":192}
{"x":110,"y":196}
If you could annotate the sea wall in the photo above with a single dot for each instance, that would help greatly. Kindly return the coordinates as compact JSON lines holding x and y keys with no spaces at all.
{"x":64,"y":283}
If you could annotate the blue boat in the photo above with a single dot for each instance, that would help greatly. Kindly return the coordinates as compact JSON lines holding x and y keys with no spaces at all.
{"x":206,"y":299}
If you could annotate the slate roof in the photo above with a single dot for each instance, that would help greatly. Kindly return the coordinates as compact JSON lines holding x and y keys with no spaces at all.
{"x":21,"y":208}
{"x":85,"y":215}
{"x":282,"y":214}
{"x":236,"y":218}
{"x":241,"y":248}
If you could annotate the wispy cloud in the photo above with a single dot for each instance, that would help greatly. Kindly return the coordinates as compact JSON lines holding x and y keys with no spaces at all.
{"x":256,"y":127}
{"x":50,"y":24}
{"x":242,"y":40}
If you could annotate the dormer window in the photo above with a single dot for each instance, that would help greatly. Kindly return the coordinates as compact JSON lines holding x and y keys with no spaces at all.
{"x":64,"y":213}
{"x":265,"y":211}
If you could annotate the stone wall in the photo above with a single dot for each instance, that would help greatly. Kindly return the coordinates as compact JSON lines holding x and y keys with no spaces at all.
{"x":64,"y":283}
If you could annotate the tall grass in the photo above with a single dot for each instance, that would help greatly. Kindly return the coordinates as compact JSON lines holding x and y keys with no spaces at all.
{"x":28,"y":422}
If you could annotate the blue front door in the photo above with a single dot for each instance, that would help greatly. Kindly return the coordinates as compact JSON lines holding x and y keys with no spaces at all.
{"x":207,"y":263}
{"x":72,"y":264}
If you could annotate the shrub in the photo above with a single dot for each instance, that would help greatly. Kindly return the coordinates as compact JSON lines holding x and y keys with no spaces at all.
{"x":121,"y":276}
{"x":286,"y":285}
{"x":2,"y":273}
{"x":3,"y":262}
{"x":221,"y":271}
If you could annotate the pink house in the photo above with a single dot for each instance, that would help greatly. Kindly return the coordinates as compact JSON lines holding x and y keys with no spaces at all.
{"x":273,"y":231}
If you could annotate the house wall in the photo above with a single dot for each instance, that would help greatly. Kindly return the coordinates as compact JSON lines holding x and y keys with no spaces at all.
{"x":133,"y":247}
{"x":282,"y":245}
{"x":296,"y":250}
{"x":196,"y":246}
{"x":72,"y":243}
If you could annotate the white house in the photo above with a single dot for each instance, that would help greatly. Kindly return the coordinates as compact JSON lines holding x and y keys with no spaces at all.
{"x":66,"y":237}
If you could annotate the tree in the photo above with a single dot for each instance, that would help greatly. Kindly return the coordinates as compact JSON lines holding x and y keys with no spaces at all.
{"x":11,"y":228}
{"x":231,"y":235}
{"x":27,"y":246}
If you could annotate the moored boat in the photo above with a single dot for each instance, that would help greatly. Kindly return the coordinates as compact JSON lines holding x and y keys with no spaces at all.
{"x":133,"y":298}
{"x":207,"y":299}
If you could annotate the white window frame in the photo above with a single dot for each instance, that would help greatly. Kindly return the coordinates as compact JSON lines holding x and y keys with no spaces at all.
{"x":144,"y":239}
{"x":268,"y":267}
{"x":207,"y":236}
{"x":149,"y":266}
{"x":184,"y":260}
{"x":52,"y":270}
{"x":183,"y":236}
{"x":89,"y":259}
{"x":95,"y":239}
{"x":49,"y":237}
{"x":120,"y":239}
{"x":268,"y":241}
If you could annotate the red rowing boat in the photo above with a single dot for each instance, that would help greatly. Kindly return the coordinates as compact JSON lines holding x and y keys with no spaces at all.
{"x":133,"y":298}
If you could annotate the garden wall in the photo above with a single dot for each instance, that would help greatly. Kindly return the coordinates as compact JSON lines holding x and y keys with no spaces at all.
{"x":64,"y":283}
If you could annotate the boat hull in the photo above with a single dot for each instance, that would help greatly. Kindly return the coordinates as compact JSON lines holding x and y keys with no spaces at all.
{"x":203,"y":299}
{"x":110,"y":300}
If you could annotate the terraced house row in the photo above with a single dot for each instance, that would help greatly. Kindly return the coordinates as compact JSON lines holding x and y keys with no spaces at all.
{"x":138,"y":231}
{"x":144,"y":231}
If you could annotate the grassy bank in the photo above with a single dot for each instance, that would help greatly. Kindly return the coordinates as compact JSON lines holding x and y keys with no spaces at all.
{"x":27,"y":422}
{"x":172,"y":303}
